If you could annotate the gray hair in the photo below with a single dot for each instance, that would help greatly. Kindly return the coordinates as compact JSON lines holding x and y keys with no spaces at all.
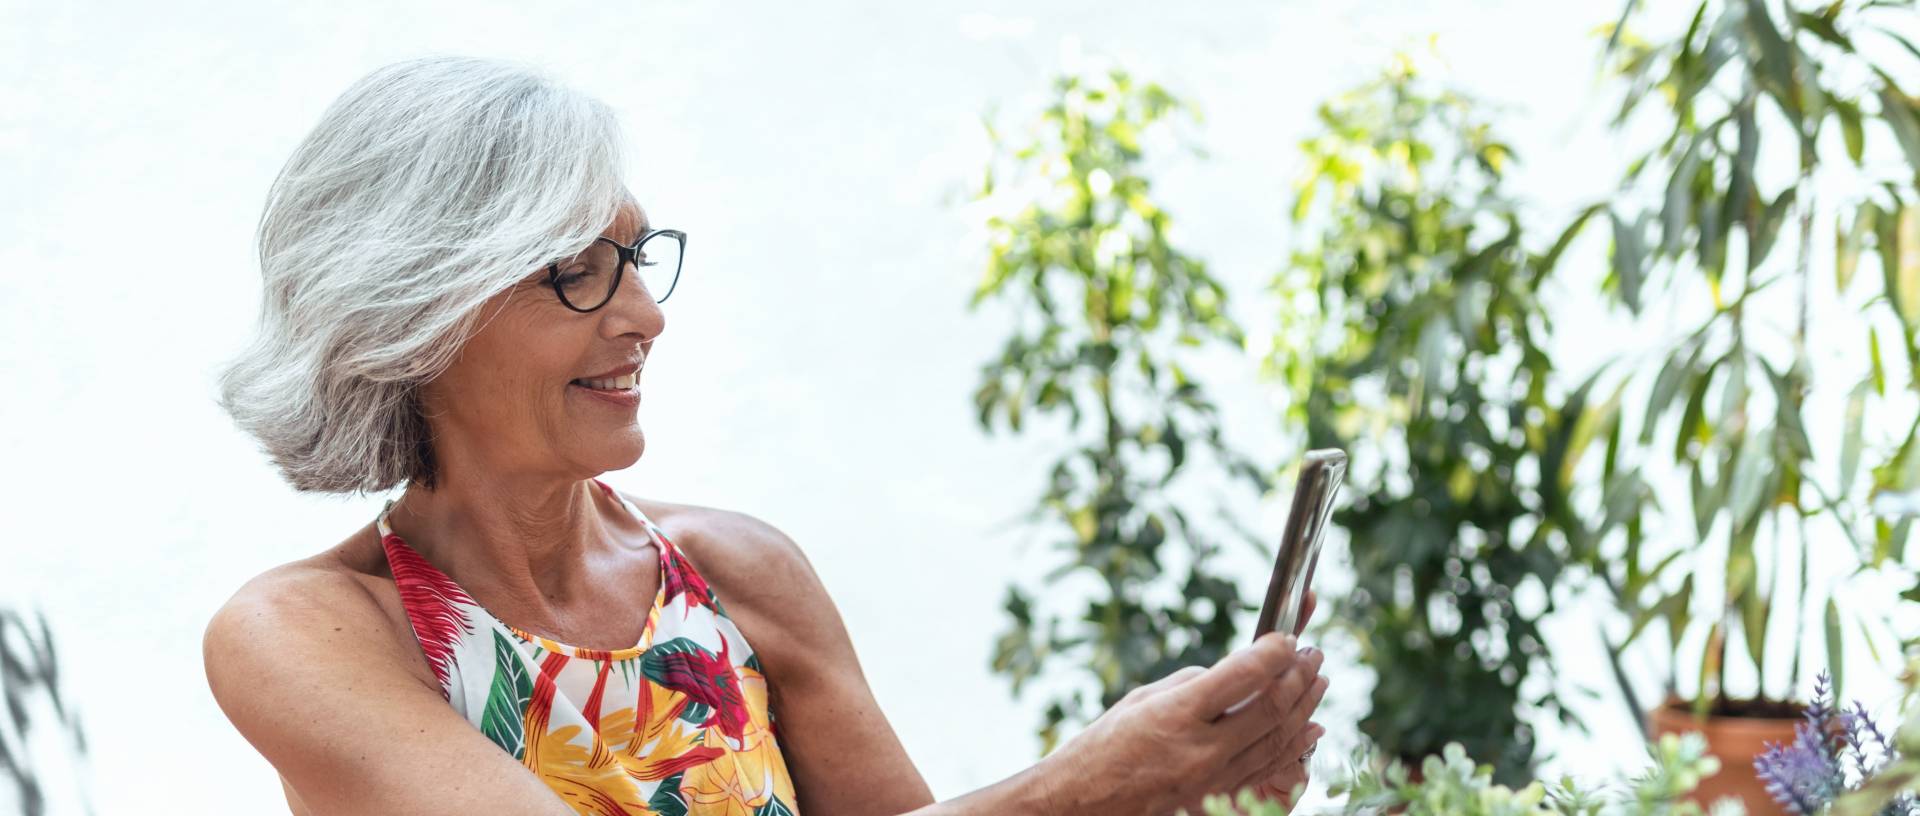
{"x":428,"y":187}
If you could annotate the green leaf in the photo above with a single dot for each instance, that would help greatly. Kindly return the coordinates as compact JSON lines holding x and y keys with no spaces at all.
{"x":1851,"y":130}
{"x":1567,"y":235}
{"x":1847,"y":243}
{"x":1822,"y":27}
{"x":1776,"y":61}
{"x":1667,"y":385}
{"x":504,"y":718}
{"x":1900,"y":117}
{"x":1678,"y":211}
{"x":1679,"y":612}
{"x":1628,"y":257}
{"x":1769,"y":228}
{"x":667,"y":800}
{"x":1905,"y":283}
{"x":1835,"y":650}
{"x":1851,"y":441}
{"x":1692,"y":415}
{"x":1879,"y":371}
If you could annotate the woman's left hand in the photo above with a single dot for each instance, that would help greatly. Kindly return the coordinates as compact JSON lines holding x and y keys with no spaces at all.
{"x":1294,"y":775}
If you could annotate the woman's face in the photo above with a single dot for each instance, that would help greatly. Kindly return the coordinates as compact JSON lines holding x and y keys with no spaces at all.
{"x":517,"y":398}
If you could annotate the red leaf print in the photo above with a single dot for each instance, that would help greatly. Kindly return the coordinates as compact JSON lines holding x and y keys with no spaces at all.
{"x":686,"y":667}
{"x":430,"y":598}
{"x":681,"y":577}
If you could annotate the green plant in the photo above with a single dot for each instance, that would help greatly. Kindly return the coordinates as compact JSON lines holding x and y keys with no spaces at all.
{"x":1108,"y":314}
{"x":1898,"y":782}
{"x":30,"y":686}
{"x":1411,"y":334}
{"x":1451,"y":784}
{"x":1764,"y":108}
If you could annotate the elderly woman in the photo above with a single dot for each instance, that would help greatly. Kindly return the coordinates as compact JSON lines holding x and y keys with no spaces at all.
{"x":461,"y":298}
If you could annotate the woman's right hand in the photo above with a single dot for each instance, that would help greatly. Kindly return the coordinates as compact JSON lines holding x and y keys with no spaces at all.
{"x":1168,"y":744}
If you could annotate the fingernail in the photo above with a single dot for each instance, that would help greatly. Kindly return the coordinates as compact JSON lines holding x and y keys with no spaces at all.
{"x":1308,"y":651}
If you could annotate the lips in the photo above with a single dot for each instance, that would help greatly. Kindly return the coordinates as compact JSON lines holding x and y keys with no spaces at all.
{"x":623,"y":382}
{"x":622,"y":378}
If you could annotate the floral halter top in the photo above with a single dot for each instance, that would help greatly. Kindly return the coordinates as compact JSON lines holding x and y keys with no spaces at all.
{"x":678,"y":724}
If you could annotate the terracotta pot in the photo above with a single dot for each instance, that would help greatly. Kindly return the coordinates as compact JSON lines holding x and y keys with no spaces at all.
{"x":1735,"y":741}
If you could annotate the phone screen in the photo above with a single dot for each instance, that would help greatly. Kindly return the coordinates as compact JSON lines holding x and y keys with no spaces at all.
{"x":1321,"y":472}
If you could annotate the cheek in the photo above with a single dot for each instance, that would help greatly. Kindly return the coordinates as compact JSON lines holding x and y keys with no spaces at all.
{"x":517,"y":367}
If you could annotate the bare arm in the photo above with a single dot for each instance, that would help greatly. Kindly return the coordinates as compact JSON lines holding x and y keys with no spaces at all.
{"x":842,"y":753}
{"x":1162,"y":747}
{"x":310,"y":671}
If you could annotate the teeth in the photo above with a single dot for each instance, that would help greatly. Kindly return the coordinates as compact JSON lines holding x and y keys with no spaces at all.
{"x":624,"y":383}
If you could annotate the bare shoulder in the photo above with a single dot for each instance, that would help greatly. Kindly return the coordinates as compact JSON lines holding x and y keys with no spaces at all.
{"x":311,"y":666}
{"x":737,"y":551}
{"x":330,"y":600}
{"x":764,"y":581}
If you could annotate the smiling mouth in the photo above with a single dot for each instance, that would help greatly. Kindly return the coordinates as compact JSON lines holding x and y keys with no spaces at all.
{"x":624,"y":382}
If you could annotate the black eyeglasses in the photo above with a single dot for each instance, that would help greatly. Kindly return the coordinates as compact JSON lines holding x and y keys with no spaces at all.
{"x":586,"y":281}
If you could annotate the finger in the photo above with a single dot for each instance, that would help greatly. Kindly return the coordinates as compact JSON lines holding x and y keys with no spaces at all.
{"x":1238,"y":675}
{"x":1271,"y":710}
{"x":1306,"y":612}
{"x":1180,"y":675}
{"x":1285,"y":768}
{"x":1308,"y":703}
{"x":1266,"y":759}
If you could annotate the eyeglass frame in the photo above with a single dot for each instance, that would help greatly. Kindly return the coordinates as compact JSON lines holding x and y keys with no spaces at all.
{"x":627,"y":255}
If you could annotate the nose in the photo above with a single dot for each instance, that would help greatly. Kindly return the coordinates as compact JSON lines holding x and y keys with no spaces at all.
{"x":633,"y":309}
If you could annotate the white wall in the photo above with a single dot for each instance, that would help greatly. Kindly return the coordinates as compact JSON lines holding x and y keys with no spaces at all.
{"x":819,"y":359}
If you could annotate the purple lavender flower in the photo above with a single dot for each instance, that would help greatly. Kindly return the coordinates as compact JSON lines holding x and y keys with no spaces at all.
{"x":1829,"y":756}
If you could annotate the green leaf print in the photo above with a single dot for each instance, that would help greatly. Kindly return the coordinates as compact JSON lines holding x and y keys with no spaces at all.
{"x":773,"y":807}
{"x":753,"y":662}
{"x":696,"y":712}
{"x":667,"y":799}
{"x":504,"y":720}
{"x":658,"y":664}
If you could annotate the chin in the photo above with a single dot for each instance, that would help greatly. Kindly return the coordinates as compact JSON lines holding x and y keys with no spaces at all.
{"x":617,"y":452}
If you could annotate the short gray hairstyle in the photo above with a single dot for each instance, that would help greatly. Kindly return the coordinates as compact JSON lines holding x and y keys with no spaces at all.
{"x":428,"y":187}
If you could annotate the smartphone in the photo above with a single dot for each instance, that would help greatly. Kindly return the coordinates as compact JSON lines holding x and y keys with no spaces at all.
{"x":1320,"y":474}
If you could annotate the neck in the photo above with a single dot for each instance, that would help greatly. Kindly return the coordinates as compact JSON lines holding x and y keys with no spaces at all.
{"x":524,"y":542}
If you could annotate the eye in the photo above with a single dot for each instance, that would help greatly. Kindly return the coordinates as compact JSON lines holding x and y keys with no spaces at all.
{"x":573,"y":276}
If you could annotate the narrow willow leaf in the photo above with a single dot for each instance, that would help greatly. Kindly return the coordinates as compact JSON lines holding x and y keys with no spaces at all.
{"x":1769,"y":228}
{"x":1907,"y":261}
{"x":1692,"y":415}
{"x":1899,"y":114}
{"x":1847,"y":243}
{"x":1627,"y":258}
{"x":1678,"y":211}
{"x":1878,"y":370}
{"x":1850,"y":128}
{"x":1835,"y":652}
{"x":1851,"y":441}
{"x":1755,"y":611}
{"x":1666,"y":386}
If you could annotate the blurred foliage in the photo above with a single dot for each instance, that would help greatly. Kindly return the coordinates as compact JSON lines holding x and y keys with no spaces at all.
{"x":1763,"y":107}
{"x":1451,"y":784}
{"x":29,"y":681}
{"x":1412,"y":336}
{"x":1900,"y":779}
{"x":1109,"y":314}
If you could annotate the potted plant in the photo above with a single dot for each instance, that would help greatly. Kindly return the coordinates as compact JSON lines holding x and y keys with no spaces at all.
{"x":1411,"y":334}
{"x":1841,"y":754}
{"x":1713,"y":499}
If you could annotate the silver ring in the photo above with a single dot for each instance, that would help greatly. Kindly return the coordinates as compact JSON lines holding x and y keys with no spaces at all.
{"x":1309,"y":754}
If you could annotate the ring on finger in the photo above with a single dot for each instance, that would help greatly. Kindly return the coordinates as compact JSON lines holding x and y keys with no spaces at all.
{"x":1309,"y":754}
